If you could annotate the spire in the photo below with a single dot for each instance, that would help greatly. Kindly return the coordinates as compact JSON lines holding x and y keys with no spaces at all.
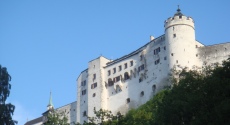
{"x":50,"y":105}
{"x":178,"y":13}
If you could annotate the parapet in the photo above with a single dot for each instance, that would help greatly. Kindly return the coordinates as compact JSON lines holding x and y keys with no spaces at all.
{"x":179,"y":19}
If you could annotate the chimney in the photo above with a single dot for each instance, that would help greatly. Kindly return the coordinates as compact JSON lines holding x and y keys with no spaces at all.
{"x":151,"y":38}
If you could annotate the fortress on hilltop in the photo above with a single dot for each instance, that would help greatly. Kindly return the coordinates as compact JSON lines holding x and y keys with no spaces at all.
{"x":130,"y":81}
{"x":133,"y":79}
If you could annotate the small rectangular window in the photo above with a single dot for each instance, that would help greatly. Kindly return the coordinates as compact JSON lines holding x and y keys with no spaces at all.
{"x":157,"y":61}
{"x":165,"y":58}
{"x":142,"y":67}
{"x":84,"y":113}
{"x":109,"y":72}
{"x":157,"y":50}
{"x":126,"y":65}
{"x":94,"y":76}
{"x":114,"y":70}
{"x":94,"y":85}
{"x":171,"y":54}
{"x":83,"y":83}
{"x":83,"y":92}
{"x":118,"y":78}
{"x":120,"y":68}
{"x":141,"y":57}
{"x":131,"y":63}
{"x":164,"y":47}
{"x":128,"y":100}
{"x":174,"y":35}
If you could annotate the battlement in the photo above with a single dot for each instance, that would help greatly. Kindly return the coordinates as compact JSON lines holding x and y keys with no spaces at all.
{"x":179,"y":20}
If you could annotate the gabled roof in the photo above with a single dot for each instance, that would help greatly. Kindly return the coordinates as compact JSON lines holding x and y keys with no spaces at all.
{"x":34,"y":121}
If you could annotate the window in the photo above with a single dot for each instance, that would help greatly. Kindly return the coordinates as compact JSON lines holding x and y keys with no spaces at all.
{"x":142,"y":67}
{"x":83,"y":83}
{"x":154,"y":88}
{"x":157,"y":61}
{"x":174,"y":35}
{"x":84,"y":113}
{"x":164,"y":47}
{"x":131,"y":63}
{"x":126,"y":65}
{"x":171,"y":54}
{"x":176,"y":61}
{"x":116,"y":79}
{"x":94,"y":94}
{"x":196,"y":55}
{"x":94,"y":76}
{"x":94,"y":85}
{"x":126,"y":75}
{"x":109,"y":73}
{"x":128,"y":100}
{"x":142,"y":93}
{"x":180,"y":17}
{"x":165,"y":58}
{"x":120,"y":68}
{"x":140,"y":79}
{"x":114,"y":70}
{"x":83,"y":92}
{"x":156,"y":51}
{"x":110,"y":82}
{"x":141,"y":57}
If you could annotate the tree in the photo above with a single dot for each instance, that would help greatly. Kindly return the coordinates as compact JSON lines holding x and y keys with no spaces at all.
{"x":6,"y":110}
{"x":56,"y":118}
{"x":198,"y":98}
{"x":100,"y":117}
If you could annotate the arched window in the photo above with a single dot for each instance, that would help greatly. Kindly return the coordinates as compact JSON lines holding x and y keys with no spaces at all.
{"x":110,"y":82}
{"x":126,"y":75}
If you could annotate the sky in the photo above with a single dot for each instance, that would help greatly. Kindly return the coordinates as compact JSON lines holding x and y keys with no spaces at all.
{"x":45,"y":44}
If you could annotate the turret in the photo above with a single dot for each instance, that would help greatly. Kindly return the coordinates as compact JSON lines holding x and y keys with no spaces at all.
{"x":180,"y":40}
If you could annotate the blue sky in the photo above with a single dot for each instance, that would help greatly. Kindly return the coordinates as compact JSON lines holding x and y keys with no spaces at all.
{"x":45,"y":44}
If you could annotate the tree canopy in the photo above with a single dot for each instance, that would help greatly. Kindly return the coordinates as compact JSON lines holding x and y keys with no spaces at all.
{"x":6,"y":110}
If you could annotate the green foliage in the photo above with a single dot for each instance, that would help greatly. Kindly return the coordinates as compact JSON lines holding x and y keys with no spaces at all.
{"x":100,"y":117}
{"x":6,"y":110}
{"x":200,"y":97}
{"x":55,"y":118}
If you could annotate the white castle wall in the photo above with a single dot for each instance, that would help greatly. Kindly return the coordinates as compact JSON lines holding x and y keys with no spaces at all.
{"x":70,"y":112}
{"x":82,"y":100}
{"x":209,"y":55}
{"x":177,"y":47}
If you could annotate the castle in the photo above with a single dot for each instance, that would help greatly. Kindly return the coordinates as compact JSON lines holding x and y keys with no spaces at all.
{"x":130,"y":81}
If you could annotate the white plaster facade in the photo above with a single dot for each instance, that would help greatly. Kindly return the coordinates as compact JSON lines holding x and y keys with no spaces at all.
{"x":128,"y":82}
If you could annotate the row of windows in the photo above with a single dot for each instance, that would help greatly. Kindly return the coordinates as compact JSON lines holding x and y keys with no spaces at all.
{"x":120,"y":68}
{"x":118,"y":78}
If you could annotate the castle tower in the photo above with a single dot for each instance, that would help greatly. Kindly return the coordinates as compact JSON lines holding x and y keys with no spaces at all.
{"x":180,"y":40}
